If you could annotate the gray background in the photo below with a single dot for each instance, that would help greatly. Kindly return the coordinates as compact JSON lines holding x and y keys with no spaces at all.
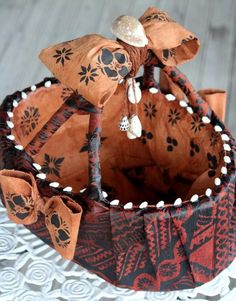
{"x":27,"y":26}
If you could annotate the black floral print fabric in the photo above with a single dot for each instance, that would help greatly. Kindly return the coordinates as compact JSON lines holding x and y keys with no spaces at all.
{"x":29,"y":120}
{"x":88,"y":74}
{"x":150,"y":110}
{"x":52,"y":165}
{"x":61,"y":229}
{"x":63,"y":55}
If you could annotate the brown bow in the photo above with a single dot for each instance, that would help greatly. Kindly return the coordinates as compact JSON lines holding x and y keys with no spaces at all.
{"x":23,"y":203}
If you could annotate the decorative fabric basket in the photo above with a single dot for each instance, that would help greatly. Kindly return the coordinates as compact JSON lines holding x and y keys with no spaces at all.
{"x":158,"y":212}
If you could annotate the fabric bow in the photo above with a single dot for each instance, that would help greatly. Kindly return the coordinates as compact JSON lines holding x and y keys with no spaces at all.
{"x":23,"y":203}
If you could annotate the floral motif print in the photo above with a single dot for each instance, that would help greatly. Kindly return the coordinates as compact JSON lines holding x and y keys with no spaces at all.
{"x":214,"y":138}
{"x":168,"y":269}
{"x":172,"y":142}
{"x":52,"y":165}
{"x":194,"y":148}
{"x":212,"y":163}
{"x":29,"y":120}
{"x":196,"y":124}
{"x":61,"y":230}
{"x":20,"y":206}
{"x":88,"y":74}
{"x":145,"y":136}
{"x":113,"y":65}
{"x":174,"y":116}
{"x":150,"y":110}
{"x":63,"y":55}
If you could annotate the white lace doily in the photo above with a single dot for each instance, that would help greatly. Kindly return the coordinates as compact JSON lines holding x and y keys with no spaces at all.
{"x":32,"y":271}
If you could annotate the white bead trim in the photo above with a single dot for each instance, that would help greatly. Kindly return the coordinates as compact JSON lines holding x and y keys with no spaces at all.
{"x":160,"y":204}
{"x":218,"y":128}
{"x":11,"y":137}
{"x":114,"y":202}
{"x":67,"y":189}
{"x":170,"y":97}
{"x":224,"y":170}
{"x":33,"y":88}
{"x":194,"y":198}
{"x":217,"y":181}
{"x":105,"y":195}
{"x":37,"y":166}
{"x":128,"y":205}
{"x":225,"y":137}
{"x":143,"y":205}
{"x":41,"y":176}
{"x":190,"y":110}
{"x":54,"y":184}
{"x":208,"y":192}
{"x":15,"y":103}
{"x":23,"y":95}
{"x":206,"y":119}
{"x":183,"y":103}
{"x":226,"y":147}
{"x":19,"y":147}
{"x":10,"y":114}
{"x":153,"y":90}
{"x":10,"y":124}
{"x":178,"y":202}
{"x":48,"y":84}
{"x":227,"y":159}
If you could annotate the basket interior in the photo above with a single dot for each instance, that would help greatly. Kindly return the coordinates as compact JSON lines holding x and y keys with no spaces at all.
{"x":178,"y":155}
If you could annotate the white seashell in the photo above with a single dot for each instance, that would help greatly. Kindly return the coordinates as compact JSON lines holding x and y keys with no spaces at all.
{"x":206,"y":119}
{"x":23,"y":95}
{"x":131,"y":136}
{"x":183,"y":103}
{"x":128,"y":205}
{"x":11,"y":137}
{"x":170,"y":97}
{"x":178,"y":202}
{"x":143,"y":205}
{"x":19,"y":147}
{"x":160,"y":204}
{"x":105,"y":195}
{"x":134,"y":93}
{"x":15,"y":103}
{"x":227,"y":147}
{"x":41,"y":176}
{"x":217,"y":181}
{"x":218,"y":128}
{"x":194,"y":198}
{"x":190,"y":110}
{"x":10,"y":124}
{"x":225,"y":137}
{"x":208,"y":192}
{"x":37,"y":166}
{"x":153,"y":90}
{"x":67,"y":189}
{"x":33,"y":88}
{"x":114,"y":202}
{"x":121,"y":81}
{"x":47,"y":84}
{"x":129,"y":30}
{"x":227,"y":159}
{"x":10,"y":114}
{"x":135,"y":128}
{"x":54,"y":184}
{"x":224,"y":170}
{"x":124,"y":123}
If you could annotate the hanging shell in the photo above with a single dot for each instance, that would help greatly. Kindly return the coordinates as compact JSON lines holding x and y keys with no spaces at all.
{"x":124,"y":124}
{"x":135,"y":130}
{"x":129,"y":30}
{"x":134,"y":92}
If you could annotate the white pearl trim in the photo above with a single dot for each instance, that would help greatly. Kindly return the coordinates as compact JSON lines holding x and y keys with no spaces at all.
{"x":11,"y":137}
{"x":114,"y":202}
{"x":54,"y":184}
{"x":41,"y":176}
{"x":143,"y":205}
{"x":10,"y":124}
{"x":128,"y":205}
{"x":194,"y":198}
{"x":178,"y":202}
{"x":23,"y":95}
{"x":37,"y":166}
{"x":183,"y":103}
{"x":19,"y":147}
{"x":48,"y":84}
{"x":208,"y":192}
{"x":170,"y":97}
{"x":217,"y":181}
{"x":153,"y":90}
{"x":160,"y":204}
{"x":67,"y":189}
